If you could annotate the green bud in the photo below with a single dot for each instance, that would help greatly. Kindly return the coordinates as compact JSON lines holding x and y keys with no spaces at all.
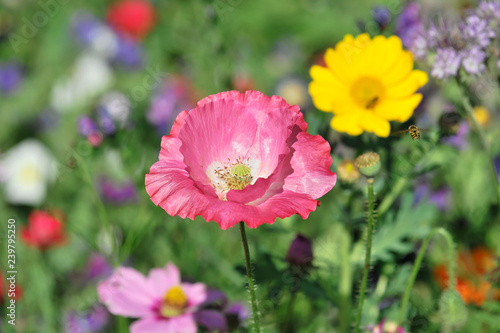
{"x":452,"y":310}
{"x":368,"y":164}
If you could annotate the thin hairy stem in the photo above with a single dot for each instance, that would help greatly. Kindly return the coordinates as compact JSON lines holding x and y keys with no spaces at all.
{"x":364,"y":281}
{"x":251,"y":286}
{"x":418,"y":262}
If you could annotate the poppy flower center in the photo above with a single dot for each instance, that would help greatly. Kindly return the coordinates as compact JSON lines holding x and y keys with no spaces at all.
{"x":367,"y":92}
{"x":231,"y":175}
{"x":174,"y":302}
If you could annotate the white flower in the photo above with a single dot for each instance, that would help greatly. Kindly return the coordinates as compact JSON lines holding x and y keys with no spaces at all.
{"x":26,"y":170}
{"x":91,"y":76}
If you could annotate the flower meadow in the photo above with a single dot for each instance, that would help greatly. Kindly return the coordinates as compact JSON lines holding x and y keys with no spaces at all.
{"x":249,"y":166}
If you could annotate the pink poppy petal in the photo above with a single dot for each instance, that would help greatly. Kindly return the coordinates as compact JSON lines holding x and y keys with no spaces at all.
{"x":163,"y":279}
{"x":127,"y":293}
{"x":217,"y":132}
{"x":181,"y":324}
{"x":196,"y":293}
{"x":180,"y":120}
{"x":311,"y":167}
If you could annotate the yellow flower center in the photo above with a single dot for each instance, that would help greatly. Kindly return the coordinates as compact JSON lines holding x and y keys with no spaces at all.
{"x":174,"y":302}
{"x":30,"y":174}
{"x":367,"y":92}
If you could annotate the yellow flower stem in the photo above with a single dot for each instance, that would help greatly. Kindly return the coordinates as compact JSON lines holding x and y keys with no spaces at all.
{"x":251,"y":286}
{"x":418,"y":262}
{"x":477,"y":128}
{"x":364,"y":281}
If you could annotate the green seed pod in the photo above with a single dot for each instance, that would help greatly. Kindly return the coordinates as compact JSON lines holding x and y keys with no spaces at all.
{"x":452,"y":310}
{"x":368,"y":164}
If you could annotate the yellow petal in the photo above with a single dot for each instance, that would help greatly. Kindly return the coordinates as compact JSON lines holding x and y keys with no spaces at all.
{"x":408,"y":86}
{"x":386,"y":53}
{"x":401,"y":69}
{"x":398,"y":109}
{"x":371,"y":123}
{"x":347,"y":123}
{"x":339,"y":64}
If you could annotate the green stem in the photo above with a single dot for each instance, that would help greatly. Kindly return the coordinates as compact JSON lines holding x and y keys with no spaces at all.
{"x":364,"y":281}
{"x":386,"y":203}
{"x":289,"y":310}
{"x":477,"y":128}
{"x":418,"y":262}
{"x":251,"y":286}
{"x":345,"y":284}
{"x":101,"y":210}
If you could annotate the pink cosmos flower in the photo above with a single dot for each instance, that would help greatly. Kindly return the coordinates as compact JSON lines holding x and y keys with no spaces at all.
{"x":161,"y":300}
{"x":241,"y":157}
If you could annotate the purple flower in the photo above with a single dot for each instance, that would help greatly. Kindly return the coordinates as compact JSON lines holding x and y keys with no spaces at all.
{"x":446,"y":63}
{"x":478,"y":30}
{"x":488,"y":10}
{"x":174,"y":96}
{"x":92,"y":33}
{"x":128,"y":53}
{"x":460,"y":139}
{"x":473,"y":60}
{"x":300,"y":252}
{"x":10,"y":77}
{"x":409,"y":25}
{"x":105,"y":121}
{"x":86,"y":126}
{"x":93,"y":320}
{"x":382,"y":16}
{"x":97,"y":267}
{"x":216,"y":314}
{"x":117,"y":193}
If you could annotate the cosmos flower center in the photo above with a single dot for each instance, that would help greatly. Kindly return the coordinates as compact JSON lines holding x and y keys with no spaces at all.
{"x":367,"y":92}
{"x":30,"y":174}
{"x":174,"y":302}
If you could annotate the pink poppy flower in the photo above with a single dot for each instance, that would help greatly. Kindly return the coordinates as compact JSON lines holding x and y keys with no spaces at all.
{"x":241,"y":157}
{"x":161,"y":300}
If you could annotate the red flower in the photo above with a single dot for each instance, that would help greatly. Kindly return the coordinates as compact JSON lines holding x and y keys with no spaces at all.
{"x":133,"y":18}
{"x":44,"y":230}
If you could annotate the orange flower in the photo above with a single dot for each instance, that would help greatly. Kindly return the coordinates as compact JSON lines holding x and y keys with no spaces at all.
{"x":472,"y":269}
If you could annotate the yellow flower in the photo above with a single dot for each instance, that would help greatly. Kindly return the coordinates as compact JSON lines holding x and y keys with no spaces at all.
{"x":367,"y":83}
{"x":482,"y":115}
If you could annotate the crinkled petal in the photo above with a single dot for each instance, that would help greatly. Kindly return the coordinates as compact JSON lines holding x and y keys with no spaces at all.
{"x":127,"y":293}
{"x":180,"y":324}
{"x":311,"y":163}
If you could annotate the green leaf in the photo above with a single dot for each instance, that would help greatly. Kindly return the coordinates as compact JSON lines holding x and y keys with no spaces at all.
{"x":394,"y":234}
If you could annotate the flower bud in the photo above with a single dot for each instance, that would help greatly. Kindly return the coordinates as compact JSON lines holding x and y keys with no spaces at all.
{"x":347,"y":171}
{"x":452,"y":310}
{"x":300,"y":252}
{"x":382,"y":16}
{"x":449,"y":123}
{"x":368,"y":164}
